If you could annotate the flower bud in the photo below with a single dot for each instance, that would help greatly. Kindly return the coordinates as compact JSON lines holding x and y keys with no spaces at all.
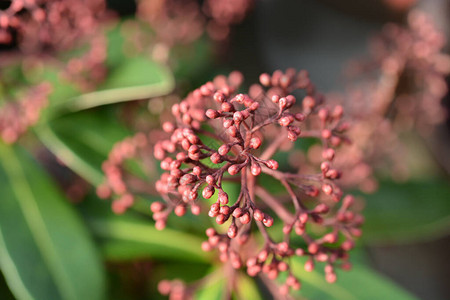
{"x":268,"y":221}
{"x":272,"y":164}
{"x":258,"y":215}
{"x":223,"y":197}
{"x":264,"y":79}
{"x":255,"y":142}
{"x":208,"y":191}
{"x":224,"y":149}
{"x":255,"y":169}
{"x":216,"y":158}
{"x":180,"y":210}
{"x":234,"y":169}
{"x":245,"y":218}
{"x":232,"y":231}
{"x":187,"y":179}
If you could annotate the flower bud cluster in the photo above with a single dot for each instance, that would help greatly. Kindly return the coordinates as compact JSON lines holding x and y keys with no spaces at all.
{"x":220,"y":135}
{"x":50,"y":24}
{"x":16,"y":117}
{"x":89,"y":69}
{"x":399,"y":88}
{"x":184,"y":21}
{"x":175,"y":289}
{"x":116,"y":179}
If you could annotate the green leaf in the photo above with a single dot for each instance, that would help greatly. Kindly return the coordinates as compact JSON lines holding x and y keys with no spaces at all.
{"x":83,"y":140}
{"x":130,"y":237}
{"x":214,"y":286}
{"x":407,"y":212}
{"x":45,"y":251}
{"x":358,"y":284}
{"x":247,"y":288}
{"x":136,"y":78}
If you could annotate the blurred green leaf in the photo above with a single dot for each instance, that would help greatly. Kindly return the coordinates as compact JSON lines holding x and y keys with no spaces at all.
{"x":136,"y":78}
{"x":45,"y":251}
{"x":5,"y":293}
{"x":358,"y":284}
{"x":83,"y":140}
{"x":247,"y":288}
{"x":407,"y":212}
{"x":130,"y":236}
{"x":213,"y":287}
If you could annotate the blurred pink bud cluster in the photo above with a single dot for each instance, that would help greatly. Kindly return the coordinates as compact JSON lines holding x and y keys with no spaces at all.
{"x":48,"y":25}
{"x":17,"y":116}
{"x":183,"y":21}
{"x":398,"y":89}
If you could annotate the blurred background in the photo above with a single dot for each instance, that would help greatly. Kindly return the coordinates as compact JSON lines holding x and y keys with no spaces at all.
{"x":349,"y":51}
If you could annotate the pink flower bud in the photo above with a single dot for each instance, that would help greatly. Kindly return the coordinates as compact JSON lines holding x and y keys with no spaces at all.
{"x":187,"y":179}
{"x":245,"y":218}
{"x":219,"y":97}
{"x":326,"y":133}
{"x":309,"y":265}
{"x":308,"y":103}
{"x":195,"y":209}
{"x":255,"y":142}
{"x":232,"y":231}
{"x":328,"y":154}
{"x":321,"y":208}
{"x":338,"y":111}
{"x":168,"y":127}
{"x":210,"y":180}
{"x":206,"y":246}
{"x":267,"y":221}
{"x":180,"y":210}
{"x":323,"y":114}
{"x":255,"y":169}
{"x":234,"y":169}
{"x":313,"y":248}
{"x":272,"y":164}
{"x":237,"y":212}
{"x":157,"y":207}
{"x":264,"y":79}
{"x":224,"y":149}
{"x":223,"y":197}
{"x":220,"y":219}
{"x":258,"y":215}
{"x":227,"y":107}
{"x":208,"y":191}
{"x":225,"y":210}
{"x":327,"y":189}
{"x":228,"y":123}
{"x":210,"y":232}
{"x":238,"y":117}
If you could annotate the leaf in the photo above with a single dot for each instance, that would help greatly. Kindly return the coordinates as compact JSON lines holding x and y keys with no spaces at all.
{"x":247,"y":288}
{"x":407,"y":212}
{"x":358,"y":284}
{"x":136,"y":78}
{"x":214,"y":286}
{"x":83,"y":140}
{"x":45,"y":251}
{"x":129,"y":237}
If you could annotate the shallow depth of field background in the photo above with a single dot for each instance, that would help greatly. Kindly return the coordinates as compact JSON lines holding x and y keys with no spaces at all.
{"x":408,"y":241}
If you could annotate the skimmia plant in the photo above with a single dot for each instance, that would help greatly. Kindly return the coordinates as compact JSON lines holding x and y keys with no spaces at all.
{"x":220,"y":135}
{"x":258,"y":171}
